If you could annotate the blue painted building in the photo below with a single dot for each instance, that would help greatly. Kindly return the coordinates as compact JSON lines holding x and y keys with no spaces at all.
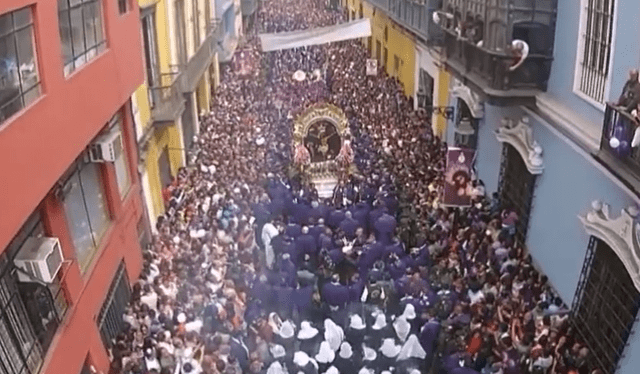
{"x":553,"y":150}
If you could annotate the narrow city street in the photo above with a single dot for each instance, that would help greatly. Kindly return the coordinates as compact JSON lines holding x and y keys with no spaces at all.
{"x":258,"y":269}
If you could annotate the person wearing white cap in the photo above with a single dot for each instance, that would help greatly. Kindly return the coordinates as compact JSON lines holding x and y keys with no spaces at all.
{"x":368,"y":354}
{"x":309,"y":337}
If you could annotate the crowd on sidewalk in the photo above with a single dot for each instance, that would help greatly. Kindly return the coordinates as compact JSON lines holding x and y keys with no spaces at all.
{"x":251,"y":272}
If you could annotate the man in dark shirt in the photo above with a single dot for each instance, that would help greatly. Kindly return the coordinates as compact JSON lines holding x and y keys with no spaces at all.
{"x":630,"y":97}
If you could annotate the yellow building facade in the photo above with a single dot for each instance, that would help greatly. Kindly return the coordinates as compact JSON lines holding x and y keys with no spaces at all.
{"x":392,"y":45}
{"x":403,"y":56}
{"x":170,"y":45}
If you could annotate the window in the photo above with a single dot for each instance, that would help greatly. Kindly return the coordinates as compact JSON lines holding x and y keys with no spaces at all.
{"x":605,"y":306}
{"x":396,"y":65}
{"x":19,"y":79}
{"x":164,"y":165}
{"x":360,"y":11}
{"x":386,"y":34}
{"x":150,"y":51}
{"x":180,"y":32}
{"x":86,"y":210}
{"x":466,"y":126}
{"x":378,"y":49}
{"x":385,"y":56}
{"x":28,"y":316}
{"x":425,"y":90}
{"x":122,"y":6}
{"x":110,"y":320}
{"x":196,"y":25}
{"x":594,"y":49}
{"x":121,"y":164}
{"x":81,"y":32}
{"x":516,"y":189}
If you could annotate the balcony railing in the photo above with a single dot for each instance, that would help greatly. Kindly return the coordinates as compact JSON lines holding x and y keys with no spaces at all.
{"x":618,"y":133}
{"x":167,"y":101}
{"x":492,"y":67}
{"x":478,"y":38}
{"x":415,"y":15}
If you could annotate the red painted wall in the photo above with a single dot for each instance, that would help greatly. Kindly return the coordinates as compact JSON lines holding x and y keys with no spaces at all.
{"x":40,"y":143}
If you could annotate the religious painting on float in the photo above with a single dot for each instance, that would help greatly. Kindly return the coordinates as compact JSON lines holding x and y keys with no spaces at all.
{"x":458,"y":189}
{"x":323,"y":141}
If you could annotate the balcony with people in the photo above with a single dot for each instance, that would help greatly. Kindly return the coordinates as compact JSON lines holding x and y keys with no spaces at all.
{"x":620,"y":139}
{"x":415,"y":15}
{"x":503,"y":47}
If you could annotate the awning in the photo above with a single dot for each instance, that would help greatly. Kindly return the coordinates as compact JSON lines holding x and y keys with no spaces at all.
{"x":344,"y":31}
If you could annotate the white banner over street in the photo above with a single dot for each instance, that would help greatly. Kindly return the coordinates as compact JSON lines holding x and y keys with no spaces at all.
{"x":322,"y":35}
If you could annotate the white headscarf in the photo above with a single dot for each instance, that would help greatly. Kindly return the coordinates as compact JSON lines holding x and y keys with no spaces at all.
{"x":333,"y":334}
{"x":356,"y":322}
{"x":345,"y":350}
{"x":286,"y":330}
{"x":275,"y":368}
{"x":277,"y":351}
{"x":389,"y":348}
{"x":409,"y":312}
{"x":402,"y":328}
{"x":369,"y":353}
{"x":412,"y":349}
{"x":325,"y":354}
{"x":332,"y":370}
{"x":302,"y":359}
{"x":307,"y":331}
{"x":381,"y":322}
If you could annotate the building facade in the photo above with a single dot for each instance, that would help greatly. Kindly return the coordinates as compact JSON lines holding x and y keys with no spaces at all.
{"x":552,"y":148}
{"x":180,"y":44}
{"x":407,"y":43}
{"x":72,"y":219}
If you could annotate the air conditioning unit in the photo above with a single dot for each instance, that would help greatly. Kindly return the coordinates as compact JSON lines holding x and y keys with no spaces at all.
{"x":107,"y":147}
{"x":39,"y":257}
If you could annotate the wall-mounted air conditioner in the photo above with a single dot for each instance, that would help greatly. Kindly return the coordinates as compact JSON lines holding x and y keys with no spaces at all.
{"x":107,"y":147}
{"x":41,"y":258}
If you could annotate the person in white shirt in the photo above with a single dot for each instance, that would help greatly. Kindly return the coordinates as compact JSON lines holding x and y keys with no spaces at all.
{"x":269,"y":231}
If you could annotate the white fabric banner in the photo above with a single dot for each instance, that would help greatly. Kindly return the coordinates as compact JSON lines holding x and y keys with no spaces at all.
{"x":294,"y":39}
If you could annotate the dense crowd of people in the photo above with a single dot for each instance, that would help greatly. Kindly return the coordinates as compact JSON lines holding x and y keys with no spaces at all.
{"x":251,"y":272}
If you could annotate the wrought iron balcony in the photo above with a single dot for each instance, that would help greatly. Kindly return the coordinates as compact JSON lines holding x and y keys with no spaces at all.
{"x":415,"y":15}
{"x":248,"y":7}
{"x":484,"y":39}
{"x":167,"y":101}
{"x":618,"y":151}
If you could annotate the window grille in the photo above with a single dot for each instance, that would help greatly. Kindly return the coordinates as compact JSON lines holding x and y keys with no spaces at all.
{"x":81,"y":32}
{"x":110,"y":320}
{"x":605,"y":306}
{"x":516,"y":189}
{"x":594,"y":48}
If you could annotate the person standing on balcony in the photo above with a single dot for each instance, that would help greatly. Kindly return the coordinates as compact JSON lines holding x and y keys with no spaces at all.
{"x":630,"y":97}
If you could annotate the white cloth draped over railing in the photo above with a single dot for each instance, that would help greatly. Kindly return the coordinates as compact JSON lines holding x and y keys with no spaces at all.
{"x":285,"y":40}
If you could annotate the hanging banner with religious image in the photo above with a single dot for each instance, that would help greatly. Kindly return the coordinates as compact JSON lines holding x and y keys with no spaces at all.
{"x":458,"y":189}
{"x":372,"y":66}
